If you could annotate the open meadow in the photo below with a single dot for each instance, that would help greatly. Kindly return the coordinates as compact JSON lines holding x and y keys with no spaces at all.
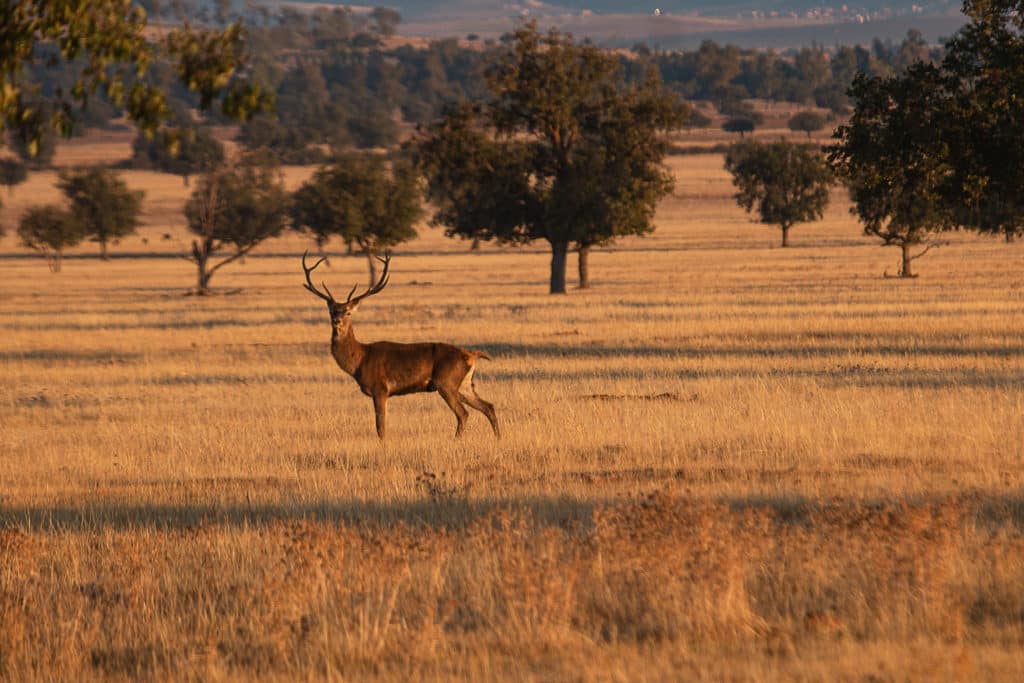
{"x":725,"y":461}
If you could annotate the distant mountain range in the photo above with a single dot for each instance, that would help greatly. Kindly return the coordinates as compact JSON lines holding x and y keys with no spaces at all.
{"x":684,"y":23}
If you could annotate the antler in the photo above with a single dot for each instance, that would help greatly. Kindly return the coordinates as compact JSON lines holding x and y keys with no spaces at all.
{"x":309,"y":283}
{"x":381,"y":282}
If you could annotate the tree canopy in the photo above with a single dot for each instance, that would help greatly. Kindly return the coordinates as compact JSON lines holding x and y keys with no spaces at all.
{"x":895,"y":158}
{"x":739,"y":124}
{"x":233,"y":209}
{"x":363,"y":203}
{"x":564,"y":150}
{"x":50,"y":229}
{"x":105,"y":42}
{"x":806,"y":122}
{"x":102,"y":202}
{"x":985,"y":64}
{"x":784,"y":182}
{"x":185,"y":152}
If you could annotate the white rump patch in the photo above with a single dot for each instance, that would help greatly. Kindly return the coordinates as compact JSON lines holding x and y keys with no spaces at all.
{"x":467,"y":382}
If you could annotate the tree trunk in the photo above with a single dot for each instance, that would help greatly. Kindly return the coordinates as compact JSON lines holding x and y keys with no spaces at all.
{"x":905,"y":270}
{"x":54,"y":262}
{"x":559,"y":251}
{"x":201,"y":256}
{"x":323,"y":254}
{"x":475,"y":246}
{"x":103,"y":249}
{"x":584,"y":266}
{"x":1011,"y":237}
{"x":372,"y":262}
{"x":785,"y":235}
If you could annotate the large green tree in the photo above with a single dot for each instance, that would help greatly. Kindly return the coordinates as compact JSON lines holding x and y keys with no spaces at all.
{"x":894,"y":156}
{"x":361,"y":201}
{"x":785,"y":183}
{"x":985,"y":64}
{"x":106,"y":39}
{"x":564,"y":150}
{"x":102,"y":202}
{"x":232,"y":210}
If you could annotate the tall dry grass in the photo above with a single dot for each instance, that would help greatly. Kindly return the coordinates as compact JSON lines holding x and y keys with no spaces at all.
{"x":727,"y":460}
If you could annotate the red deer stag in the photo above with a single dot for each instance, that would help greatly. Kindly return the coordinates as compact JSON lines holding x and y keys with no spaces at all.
{"x":383,"y":369}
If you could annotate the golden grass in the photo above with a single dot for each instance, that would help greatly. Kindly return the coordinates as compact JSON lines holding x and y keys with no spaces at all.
{"x":727,"y":460}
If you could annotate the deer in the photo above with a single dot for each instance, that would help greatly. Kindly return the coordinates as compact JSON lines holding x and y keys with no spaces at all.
{"x":384,"y":369}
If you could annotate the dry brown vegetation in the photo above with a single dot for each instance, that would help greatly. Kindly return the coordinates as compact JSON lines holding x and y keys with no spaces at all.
{"x":726,"y":461}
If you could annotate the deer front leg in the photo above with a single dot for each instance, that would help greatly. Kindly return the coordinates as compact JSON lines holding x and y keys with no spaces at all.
{"x":380,"y":410}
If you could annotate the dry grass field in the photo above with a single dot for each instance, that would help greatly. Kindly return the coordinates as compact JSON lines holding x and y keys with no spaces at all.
{"x":725,"y":461}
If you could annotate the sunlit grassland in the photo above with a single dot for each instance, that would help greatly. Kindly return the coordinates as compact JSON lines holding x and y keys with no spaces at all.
{"x":191,"y":487}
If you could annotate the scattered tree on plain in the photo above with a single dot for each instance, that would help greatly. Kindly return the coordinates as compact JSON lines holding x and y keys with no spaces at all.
{"x":785,"y":183}
{"x":233,"y":209}
{"x":12,"y":172}
{"x":986,"y":62}
{"x":185,"y":152}
{"x":563,"y":151}
{"x":739,"y":124}
{"x":104,"y":205}
{"x":50,"y":230}
{"x":806,"y":122}
{"x":895,"y":160}
{"x":360,"y":201}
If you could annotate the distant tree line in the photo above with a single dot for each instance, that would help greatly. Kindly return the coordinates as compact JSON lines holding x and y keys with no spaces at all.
{"x":337,"y":84}
{"x":565,"y":144}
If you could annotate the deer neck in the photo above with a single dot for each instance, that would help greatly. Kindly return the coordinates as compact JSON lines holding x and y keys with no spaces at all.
{"x":347,"y":351}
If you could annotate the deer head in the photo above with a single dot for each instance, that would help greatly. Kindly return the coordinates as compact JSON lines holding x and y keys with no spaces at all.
{"x":341,"y":311}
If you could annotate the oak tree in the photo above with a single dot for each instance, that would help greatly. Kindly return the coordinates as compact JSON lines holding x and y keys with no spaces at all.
{"x":50,"y":229}
{"x":895,"y":159}
{"x":985,"y":61}
{"x":363,"y":202}
{"x":232,"y":210}
{"x":564,"y":150}
{"x":806,"y":122}
{"x":102,"y":202}
{"x":785,"y":183}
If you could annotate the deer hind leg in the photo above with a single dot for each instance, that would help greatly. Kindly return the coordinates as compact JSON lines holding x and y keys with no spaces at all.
{"x":380,"y":410}
{"x":452,"y":399}
{"x":468,"y":395}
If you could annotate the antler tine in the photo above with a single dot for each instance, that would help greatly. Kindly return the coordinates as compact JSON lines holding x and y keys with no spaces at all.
{"x":382,"y":281}
{"x":309,"y":283}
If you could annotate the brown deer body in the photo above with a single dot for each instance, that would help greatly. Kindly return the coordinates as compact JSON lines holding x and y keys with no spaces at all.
{"x":384,"y":369}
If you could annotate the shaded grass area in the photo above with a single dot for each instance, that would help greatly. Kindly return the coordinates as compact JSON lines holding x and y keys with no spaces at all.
{"x":514,"y":589}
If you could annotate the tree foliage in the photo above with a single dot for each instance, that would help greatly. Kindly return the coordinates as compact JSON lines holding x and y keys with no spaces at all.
{"x":806,"y":122}
{"x":985,"y":63}
{"x":784,"y":182}
{"x":12,"y":172}
{"x":564,"y":150}
{"x":233,"y":209}
{"x":896,"y":160}
{"x":105,"y":40}
{"x":739,"y":124}
{"x":185,"y":152}
{"x":102,"y":202}
{"x":363,"y":203}
{"x":50,"y":229}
